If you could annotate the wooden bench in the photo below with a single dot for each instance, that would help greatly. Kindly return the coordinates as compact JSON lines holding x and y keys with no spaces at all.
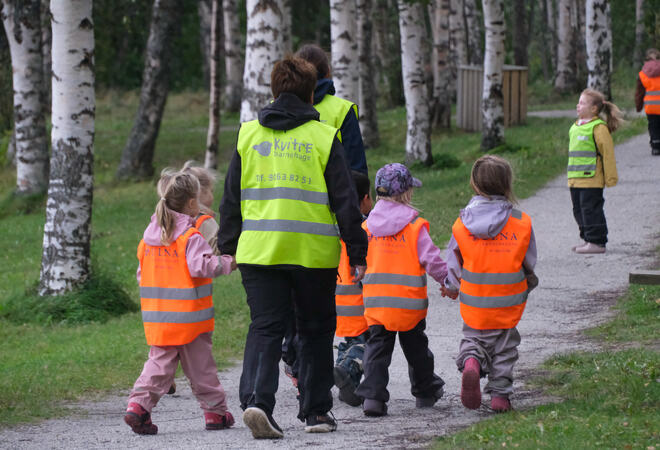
{"x":644,"y":277}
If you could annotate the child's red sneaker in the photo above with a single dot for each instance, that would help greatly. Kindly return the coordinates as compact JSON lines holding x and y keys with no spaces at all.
{"x":217,"y":422}
{"x":139,"y":420}
{"x":470,"y":389}
{"x":500,"y":404}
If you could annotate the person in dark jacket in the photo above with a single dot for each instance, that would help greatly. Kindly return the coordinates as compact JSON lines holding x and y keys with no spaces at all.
{"x":647,"y":96}
{"x":287,"y":189}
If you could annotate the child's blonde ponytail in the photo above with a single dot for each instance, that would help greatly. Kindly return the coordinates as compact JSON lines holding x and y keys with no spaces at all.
{"x":175,"y":190}
{"x":607,"y":111}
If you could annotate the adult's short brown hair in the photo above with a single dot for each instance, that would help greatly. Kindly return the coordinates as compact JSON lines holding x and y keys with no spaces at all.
{"x":315,"y":54}
{"x":295,"y":76}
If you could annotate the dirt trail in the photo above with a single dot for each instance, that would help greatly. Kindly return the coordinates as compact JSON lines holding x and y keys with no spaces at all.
{"x":575,"y":292}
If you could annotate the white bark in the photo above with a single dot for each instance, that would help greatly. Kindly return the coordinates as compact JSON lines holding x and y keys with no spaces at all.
{"x":638,"y":58}
{"x":45,"y":48}
{"x":492,"y":101}
{"x":368,"y":78}
{"x":344,"y":48}
{"x":287,"y":21}
{"x":22,"y":24}
{"x":565,"y":76}
{"x":473,"y":24}
{"x":233,"y":59}
{"x":204,"y":14}
{"x":457,"y":36}
{"x":551,"y":22}
{"x":263,"y":47}
{"x":444,"y":66}
{"x":65,"y":259}
{"x":414,"y":61}
{"x":213,"y":134}
{"x":599,"y":45}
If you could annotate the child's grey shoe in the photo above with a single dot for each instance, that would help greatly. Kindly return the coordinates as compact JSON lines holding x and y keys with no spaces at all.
{"x":374,"y":408}
{"x":428,"y":402}
{"x":346,"y":388}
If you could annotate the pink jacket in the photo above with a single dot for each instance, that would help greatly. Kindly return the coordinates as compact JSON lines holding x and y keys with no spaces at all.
{"x":388,"y":218}
{"x":202,"y":263}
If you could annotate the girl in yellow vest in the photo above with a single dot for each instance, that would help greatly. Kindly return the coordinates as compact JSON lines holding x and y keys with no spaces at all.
{"x":491,"y":257}
{"x":592,"y":167}
{"x":400,"y":255}
{"x":176,"y":267}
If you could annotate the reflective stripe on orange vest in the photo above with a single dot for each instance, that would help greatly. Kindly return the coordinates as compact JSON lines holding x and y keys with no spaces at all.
{"x":493,"y":290}
{"x":200,"y":220}
{"x":395,"y":283}
{"x":652,"y":94}
{"x":348,"y":299}
{"x":176,"y":308}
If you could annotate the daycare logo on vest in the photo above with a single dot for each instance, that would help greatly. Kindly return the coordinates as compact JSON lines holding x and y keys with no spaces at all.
{"x":263,"y":148}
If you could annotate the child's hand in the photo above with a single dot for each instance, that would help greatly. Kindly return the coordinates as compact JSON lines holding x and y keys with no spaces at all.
{"x":447,"y":293}
{"x":359,"y":272}
{"x":233,"y":263}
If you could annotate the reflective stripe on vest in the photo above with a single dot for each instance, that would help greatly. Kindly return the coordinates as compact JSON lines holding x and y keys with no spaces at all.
{"x":493,"y":290}
{"x":176,"y":308}
{"x":652,"y":94}
{"x":333,"y":110}
{"x":394,"y":286}
{"x":284,"y":199}
{"x":348,"y":299}
{"x":582,"y":152}
{"x":200,"y":220}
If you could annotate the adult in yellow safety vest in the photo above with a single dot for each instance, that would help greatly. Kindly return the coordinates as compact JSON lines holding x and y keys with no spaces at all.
{"x":288,"y":198}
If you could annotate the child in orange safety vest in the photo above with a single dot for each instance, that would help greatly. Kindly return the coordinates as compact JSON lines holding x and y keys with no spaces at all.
{"x":351,"y":324}
{"x":400,"y":255}
{"x":176,"y":267}
{"x":490,"y":260}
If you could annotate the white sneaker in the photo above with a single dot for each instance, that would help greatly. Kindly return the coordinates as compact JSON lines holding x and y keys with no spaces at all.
{"x":579,"y":245}
{"x":261,"y":424}
{"x":590,"y":248}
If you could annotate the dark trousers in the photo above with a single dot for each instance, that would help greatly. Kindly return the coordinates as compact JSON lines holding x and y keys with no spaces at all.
{"x":654,"y":131}
{"x":378,"y":356}
{"x":589,"y":214}
{"x":269,"y":296}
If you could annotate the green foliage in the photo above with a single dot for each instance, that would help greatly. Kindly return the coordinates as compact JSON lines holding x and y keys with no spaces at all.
{"x":14,"y":204}
{"x":98,"y":300}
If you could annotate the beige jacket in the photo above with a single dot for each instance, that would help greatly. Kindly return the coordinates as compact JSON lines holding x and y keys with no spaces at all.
{"x":606,"y":175}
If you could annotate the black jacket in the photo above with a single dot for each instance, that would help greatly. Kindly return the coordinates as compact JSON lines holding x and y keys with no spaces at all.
{"x":286,"y":113}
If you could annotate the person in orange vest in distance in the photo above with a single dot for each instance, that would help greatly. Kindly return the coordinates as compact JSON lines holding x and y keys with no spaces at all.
{"x":647,"y":96}
{"x":176,"y":267}
{"x":490,"y":258}
{"x":351,"y":324}
{"x":399,"y":256}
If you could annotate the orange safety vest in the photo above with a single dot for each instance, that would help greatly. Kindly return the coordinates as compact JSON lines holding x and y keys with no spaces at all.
{"x":394,"y":286}
{"x":348,"y":298}
{"x":176,"y":308}
{"x":493,"y":289}
{"x":200,"y":220}
{"x":652,"y":95}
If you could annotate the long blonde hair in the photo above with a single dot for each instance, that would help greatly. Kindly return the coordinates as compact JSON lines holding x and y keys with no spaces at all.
{"x":207,"y":179}
{"x":404,"y":198}
{"x":492,"y":175}
{"x":175,"y":189}
{"x":607,"y":111}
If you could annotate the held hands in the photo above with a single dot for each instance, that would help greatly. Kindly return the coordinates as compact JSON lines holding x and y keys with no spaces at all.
{"x":358,"y":273}
{"x":233,"y":263}
{"x":447,"y":293}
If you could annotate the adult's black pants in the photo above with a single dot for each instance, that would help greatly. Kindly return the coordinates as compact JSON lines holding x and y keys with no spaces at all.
{"x":654,"y":131}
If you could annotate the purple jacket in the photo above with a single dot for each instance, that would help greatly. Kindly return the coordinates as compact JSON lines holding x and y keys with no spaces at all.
{"x":202,"y":263}
{"x":388,"y":218}
{"x":485,"y":219}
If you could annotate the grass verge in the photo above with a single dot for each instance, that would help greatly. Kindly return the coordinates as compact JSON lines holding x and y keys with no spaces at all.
{"x":610,"y":399}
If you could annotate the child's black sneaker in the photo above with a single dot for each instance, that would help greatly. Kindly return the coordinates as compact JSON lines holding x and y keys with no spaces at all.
{"x":172,"y":389}
{"x":323,"y":423}
{"x":346,"y":388}
{"x":428,"y":402}
{"x":261,"y":424}
{"x":139,"y":420}
{"x":374,"y":408}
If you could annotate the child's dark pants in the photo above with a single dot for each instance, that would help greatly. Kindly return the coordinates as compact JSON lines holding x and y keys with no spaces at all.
{"x":589,"y":214}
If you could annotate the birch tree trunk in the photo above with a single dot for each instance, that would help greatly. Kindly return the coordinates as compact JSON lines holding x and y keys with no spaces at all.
{"x":65,"y":261}
{"x":233,"y":60}
{"x":551,"y":23}
{"x":46,"y":41}
{"x":211,"y":158}
{"x":414,"y":61}
{"x":579,"y":44}
{"x":344,"y":48}
{"x":638,"y":57}
{"x":599,"y":46}
{"x":264,"y":46}
{"x":457,"y":37}
{"x":287,"y":21}
{"x":204,"y":13}
{"x":474,"y":29}
{"x":441,"y":62}
{"x":22,"y":22}
{"x":492,"y":100}
{"x":565,"y":75}
{"x":137,"y":158}
{"x":368,"y":93}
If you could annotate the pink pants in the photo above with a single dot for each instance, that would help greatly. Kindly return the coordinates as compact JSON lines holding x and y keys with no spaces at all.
{"x":198,"y":365}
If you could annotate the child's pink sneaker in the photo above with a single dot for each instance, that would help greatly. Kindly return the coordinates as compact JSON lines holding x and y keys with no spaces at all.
{"x":139,"y":420}
{"x":500,"y":404}
{"x":217,"y":422}
{"x":470,"y":389}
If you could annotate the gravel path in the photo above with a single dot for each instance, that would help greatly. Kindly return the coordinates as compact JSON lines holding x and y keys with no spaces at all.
{"x":575,"y":292}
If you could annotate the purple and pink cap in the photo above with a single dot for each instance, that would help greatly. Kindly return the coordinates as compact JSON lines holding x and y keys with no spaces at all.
{"x":394,"y":179}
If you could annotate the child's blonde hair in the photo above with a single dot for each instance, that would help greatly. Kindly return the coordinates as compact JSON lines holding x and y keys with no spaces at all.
{"x":607,"y":111}
{"x":405,"y":198}
{"x":175,"y":190}
{"x":492,"y":175}
{"x":207,"y":179}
